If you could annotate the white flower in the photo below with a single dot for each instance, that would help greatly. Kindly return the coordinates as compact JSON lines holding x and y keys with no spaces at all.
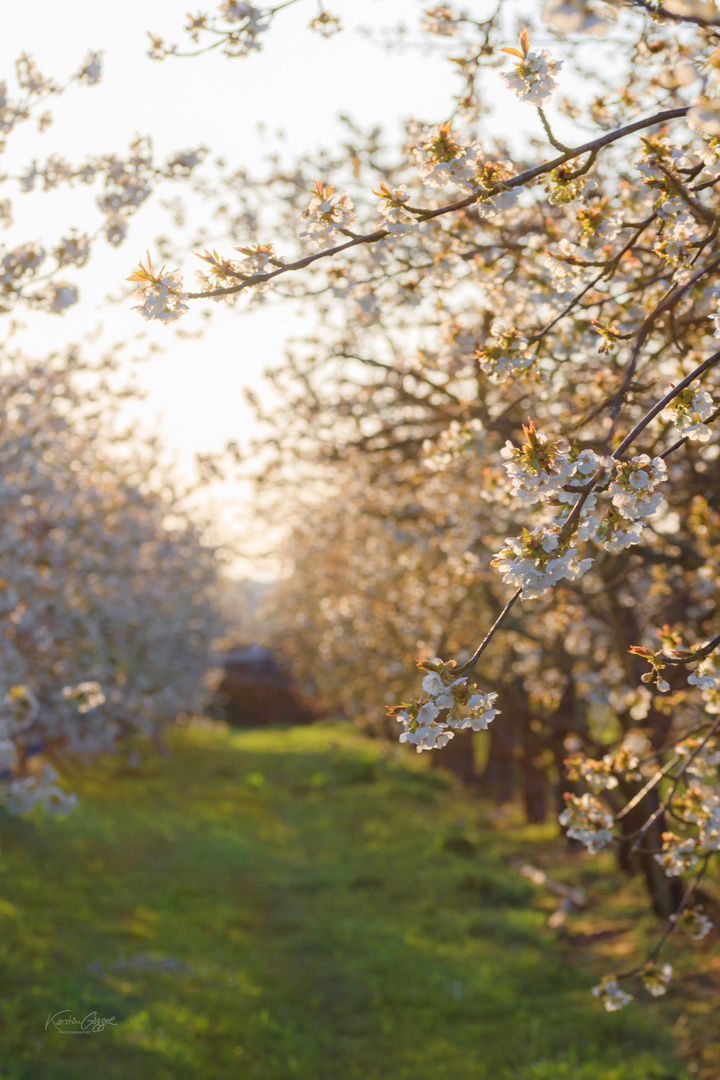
{"x":465,"y":706}
{"x":441,"y":160}
{"x":694,"y":921}
{"x":587,"y":820}
{"x":612,"y":997}
{"x":688,"y":410}
{"x":525,"y":563}
{"x":633,"y":486}
{"x":162,"y":300}
{"x":395,"y":219}
{"x":679,"y":856}
{"x":655,"y":978}
{"x":30,"y":791}
{"x":327,"y":214}
{"x":702,"y":680}
{"x":532,"y":80}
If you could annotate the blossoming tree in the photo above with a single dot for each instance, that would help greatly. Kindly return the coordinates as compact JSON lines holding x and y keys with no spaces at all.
{"x":500,"y":448}
{"x":106,"y":586}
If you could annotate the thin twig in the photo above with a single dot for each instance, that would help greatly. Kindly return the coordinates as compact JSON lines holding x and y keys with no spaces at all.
{"x":467,"y":668}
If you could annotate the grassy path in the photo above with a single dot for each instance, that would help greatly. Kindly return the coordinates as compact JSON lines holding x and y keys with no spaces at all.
{"x":278,"y":904}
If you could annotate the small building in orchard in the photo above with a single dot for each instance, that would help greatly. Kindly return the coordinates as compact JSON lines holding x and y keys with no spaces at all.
{"x":256,"y":691}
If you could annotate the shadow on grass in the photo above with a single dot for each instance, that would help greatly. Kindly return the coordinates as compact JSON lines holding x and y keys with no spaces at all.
{"x":288,"y":903}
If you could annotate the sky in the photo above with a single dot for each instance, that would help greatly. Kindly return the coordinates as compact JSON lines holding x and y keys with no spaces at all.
{"x":299,"y":83}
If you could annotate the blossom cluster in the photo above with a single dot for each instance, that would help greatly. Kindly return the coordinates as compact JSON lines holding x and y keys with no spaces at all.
{"x":506,"y":355}
{"x":688,"y":410}
{"x":161,"y":294}
{"x":679,"y":855}
{"x":540,"y":469}
{"x":238,"y":26}
{"x":598,"y":775}
{"x":694,"y":922}
{"x":532,"y":77}
{"x":535,"y":561}
{"x":587,"y":820}
{"x":611,"y":994}
{"x":26,"y":792}
{"x":325,"y":24}
{"x":451,"y":704}
{"x":633,"y":486}
{"x":442,"y":160}
{"x":655,"y":978}
{"x":395,"y":218}
{"x":230,"y":273}
{"x":84,"y":697}
{"x":327,"y":215}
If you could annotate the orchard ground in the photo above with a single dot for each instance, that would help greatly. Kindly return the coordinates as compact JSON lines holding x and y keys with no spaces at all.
{"x":309,"y":903}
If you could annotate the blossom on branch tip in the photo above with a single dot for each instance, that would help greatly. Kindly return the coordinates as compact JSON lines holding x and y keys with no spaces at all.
{"x":539,"y":470}
{"x":161,"y":294}
{"x":693,"y":922}
{"x":91,"y":71}
{"x":534,"y":562}
{"x":442,"y":160}
{"x":463,"y":706}
{"x":61,"y":295}
{"x":598,"y":775}
{"x":655,"y":978}
{"x":532,"y":79}
{"x":395,"y":219}
{"x":327,"y":214}
{"x":612,"y":997}
{"x":507,"y":354}
{"x":688,"y":410}
{"x":633,"y":486}
{"x":679,"y":855}
{"x":587,"y":820}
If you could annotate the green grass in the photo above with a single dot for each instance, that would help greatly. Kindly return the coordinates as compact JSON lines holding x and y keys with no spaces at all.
{"x":298,"y":903}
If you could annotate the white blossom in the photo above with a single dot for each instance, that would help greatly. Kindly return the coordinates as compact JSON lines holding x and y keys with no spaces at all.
{"x":532,"y":79}
{"x":633,"y":486}
{"x":587,"y":820}
{"x":441,"y":160}
{"x":688,"y":410}
{"x":464,"y":707}
{"x":162,"y":298}
{"x":612,"y":997}
{"x":527,"y":562}
{"x":327,"y":215}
